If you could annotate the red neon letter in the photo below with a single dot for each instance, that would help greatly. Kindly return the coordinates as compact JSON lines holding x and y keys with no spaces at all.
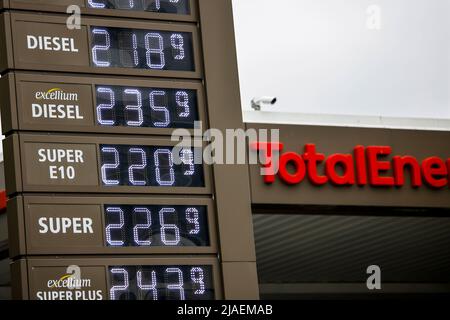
{"x":435,"y":172}
{"x":361,"y":166}
{"x":300,"y":169}
{"x":267,"y":148}
{"x":346,"y":161}
{"x":375,"y":166}
{"x":313,"y":158}
{"x":399,"y":170}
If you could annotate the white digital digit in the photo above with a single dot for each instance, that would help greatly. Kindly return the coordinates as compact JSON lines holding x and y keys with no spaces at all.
{"x":165,"y":123}
{"x":197,"y":277}
{"x":182,"y":100}
{"x":124,"y":4}
{"x":192,"y":217}
{"x":118,"y":288}
{"x":101,"y":48}
{"x":158,"y":50}
{"x":96,"y":4}
{"x":144,"y":226}
{"x":141,"y":166}
{"x":106,"y":106}
{"x":167,"y":226}
{"x":187,"y":158}
{"x":179,"y":286}
{"x":158,"y":3}
{"x":137,"y":108}
{"x":110,"y":166}
{"x":115,"y":226}
{"x":177,"y":42}
{"x":125,"y":48}
{"x":170,"y":179}
{"x":148,"y":287}
{"x":135,"y":51}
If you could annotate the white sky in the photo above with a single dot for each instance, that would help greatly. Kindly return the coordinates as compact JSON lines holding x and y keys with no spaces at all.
{"x":346,"y":57}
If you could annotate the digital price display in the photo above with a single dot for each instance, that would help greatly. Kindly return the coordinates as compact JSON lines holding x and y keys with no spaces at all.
{"x":145,"y":226}
{"x":146,"y":107}
{"x":162,"y":6}
{"x":120,"y":278}
{"x":102,"y":224}
{"x":141,"y":49}
{"x":103,"y":46}
{"x":149,"y":166}
{"x":161,"y":283}
{"x":91,"y":163}
{"x":130,"y":105}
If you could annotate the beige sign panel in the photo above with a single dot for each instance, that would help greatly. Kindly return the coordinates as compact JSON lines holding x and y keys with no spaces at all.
{"x":333,"y":140}
{"x":77,"y":225}
{"x":68,"y":103}
{"x":55,"y":163}
{"x":59,"y":164}
{"x":86,"y":9}
{"x":44,"y":43}
{"x":51,"y":103}
{"x":60,"y":46}
{"x":88,"y":278}
{"x":48,"y":283}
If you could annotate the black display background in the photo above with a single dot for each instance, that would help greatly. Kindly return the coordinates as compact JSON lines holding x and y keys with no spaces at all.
{"x":120,"y":52}
{"x":153,"y":233}
{"x":165,"y":6}
{"x":148,"y":174}
{"x":164,"y":279}
{"x":151,"y":118}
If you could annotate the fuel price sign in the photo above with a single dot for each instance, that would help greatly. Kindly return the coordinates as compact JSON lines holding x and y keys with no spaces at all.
{"x":129,"y":278}
{"x":68,"y":103}
{"x":104,"y":46}
{"x":80,"y":224}
{"x":105,"y":202}
{"x":101,"y":164}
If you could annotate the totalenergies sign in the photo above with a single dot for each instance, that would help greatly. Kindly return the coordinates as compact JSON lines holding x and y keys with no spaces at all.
{"x":372,"y":165}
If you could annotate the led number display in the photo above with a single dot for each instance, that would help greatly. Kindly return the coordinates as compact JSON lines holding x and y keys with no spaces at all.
{"x":146,"y":107}
{"x":149,"y":166}
{"x":162,"y":6}
{"x":145,"y":226}
{"x":161,"y":283}
{"x":142,"y":49}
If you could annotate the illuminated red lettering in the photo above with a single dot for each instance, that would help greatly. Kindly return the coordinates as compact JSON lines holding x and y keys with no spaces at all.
{"x":346,"y":162}
{"x":268,"y":149}
{"x":361,"y":165}
{"x":365,"y":166}
{"x":435,"y":172}
{"x":299,"y":166}
{"x":377,"y":166}
{"x":400,"y":163}
{"x":313,"y":159}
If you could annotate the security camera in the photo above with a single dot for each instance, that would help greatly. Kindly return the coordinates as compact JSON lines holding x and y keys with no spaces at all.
{"x":257,"y":103}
